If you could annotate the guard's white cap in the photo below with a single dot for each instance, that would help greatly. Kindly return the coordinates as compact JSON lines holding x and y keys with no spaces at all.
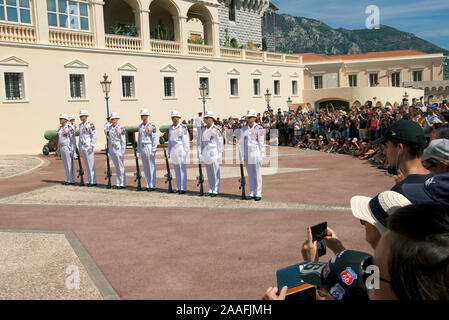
{"x":114,"y":115}
{"x":64,"y":116}
{"x":71,"y":117}
{"x":209,"y":114}
{"x":84,"y":113}
{"x":251,"y":113}
{"x":175,"y":113}
{"x":144,"y":112}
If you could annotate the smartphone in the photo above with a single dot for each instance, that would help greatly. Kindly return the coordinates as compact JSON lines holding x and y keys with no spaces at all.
{"x":319,"y":231}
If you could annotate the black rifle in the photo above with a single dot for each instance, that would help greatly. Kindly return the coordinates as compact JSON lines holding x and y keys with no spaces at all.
{"x":137,"y":173}
{"x":80,"y":170}
{"x":242,"y":175}
{"x":168,"y":176}
{"x":200,"y":178}
{"x":108,"y":172}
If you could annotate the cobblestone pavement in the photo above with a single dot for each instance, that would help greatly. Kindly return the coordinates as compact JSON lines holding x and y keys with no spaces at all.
{"x":11,"y":166}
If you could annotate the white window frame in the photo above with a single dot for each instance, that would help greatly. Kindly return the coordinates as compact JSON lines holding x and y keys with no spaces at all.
{"x":369,"y":77}
{"x":19,"y":22}
{"x":80,"y":71}
{"x":14,"y":69}
{"x":390,"y":78}
{"x":68,"y":16}
{"x":238,"y":86}
{"x":417,"y":70}
{"x":128,"y":74}
{"x":357,"y":80}
{"x":274,"y":86}
{"x":259,"y":78}
{"x":322,"y":80}
{"x":169,"y":74}
{"x":292,"y":79}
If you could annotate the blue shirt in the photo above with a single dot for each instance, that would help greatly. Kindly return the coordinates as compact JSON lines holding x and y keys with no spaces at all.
{"x":430,"y":119}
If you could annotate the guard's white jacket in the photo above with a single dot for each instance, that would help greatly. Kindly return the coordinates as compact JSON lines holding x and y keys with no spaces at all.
{"x":117,"y":139}
{"x":252,"y":143}
{"x":147,"y":136}
{"x":87,"y":135}
{"x":211,"y":143}
{"x":66,"y":137}
{"x":178,"y":143}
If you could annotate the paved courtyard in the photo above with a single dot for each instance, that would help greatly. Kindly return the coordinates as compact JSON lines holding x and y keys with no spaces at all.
{"x":140,"y":245}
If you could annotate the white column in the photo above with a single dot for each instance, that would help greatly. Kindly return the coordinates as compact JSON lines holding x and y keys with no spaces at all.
{"x":41,"y":21}
{"x":98,"y":23}
{"x":216,"y":38}
{"x":143,"y":21}
{"x":180,"y":23}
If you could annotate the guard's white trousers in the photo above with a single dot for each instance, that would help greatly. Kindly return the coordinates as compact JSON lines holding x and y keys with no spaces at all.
{"x":67,"y":162}
{"x":89,"y":165}
{"x":178,"y":156}
{"x":210,"y":157}
{"x":149,"y":165}
{"x":255,"y":178}
{"x":118,"y":160}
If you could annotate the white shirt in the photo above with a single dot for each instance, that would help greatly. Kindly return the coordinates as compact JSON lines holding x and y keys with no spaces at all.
{"x":117,"y":138}
{"x":178,"y":136}
{"x":211,"y":138}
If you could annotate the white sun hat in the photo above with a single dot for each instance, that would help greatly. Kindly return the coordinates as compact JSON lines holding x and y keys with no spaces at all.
{"x":376,"y":210}
{"x":83,"y":112}
{"x":175,"y":113}
{"x":115,"y":115}
{"x":209,"y":114}
{"x":71,"y":117}
{"x":144,"y":112}
{"x":251,"y":113}
{"x":64,"y":116}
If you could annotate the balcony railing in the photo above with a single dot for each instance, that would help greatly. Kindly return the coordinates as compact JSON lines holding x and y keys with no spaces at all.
{"x":274,"y":57}
{"x":231,"y":53}
{"x":200,"y":50}
{"x":294,"y":59}
{"x":123,"y":43}
{"x":254,"y":55}
{"x":162,"y":46}
{"x":17,"y":33}
{"x":71,"y":38}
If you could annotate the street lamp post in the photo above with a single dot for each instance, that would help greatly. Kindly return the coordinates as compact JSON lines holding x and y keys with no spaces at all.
{"x":203,"y":94}
{"x":268,"y":98}
{"x":289,"y":103}
{"x":106,"y":86}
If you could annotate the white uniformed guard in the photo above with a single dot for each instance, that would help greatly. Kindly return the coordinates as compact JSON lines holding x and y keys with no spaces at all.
{"x":87,"y":139}
{"x":117,"y":146}
{"x":66,"y":145}
{"x":178,"y":149}
{"x":199,"y":124}
{"x":146,"y":149}
{"x":252,"y":144}
{"x":211,"y":152}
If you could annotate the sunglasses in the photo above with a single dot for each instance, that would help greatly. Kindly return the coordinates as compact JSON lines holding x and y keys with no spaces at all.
{"x":364,"y":274}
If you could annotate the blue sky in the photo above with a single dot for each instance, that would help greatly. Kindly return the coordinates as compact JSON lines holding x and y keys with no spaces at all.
{"x":428,"y":19}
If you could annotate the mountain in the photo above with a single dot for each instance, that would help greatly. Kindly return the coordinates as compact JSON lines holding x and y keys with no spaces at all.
{"x":302,"y":35}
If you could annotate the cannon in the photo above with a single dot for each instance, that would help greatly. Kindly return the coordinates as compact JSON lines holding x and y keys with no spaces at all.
{"x":52,"y":137}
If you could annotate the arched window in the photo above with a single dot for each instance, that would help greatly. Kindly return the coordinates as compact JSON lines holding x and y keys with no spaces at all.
{"x":15,"y":11}
{"x":72,"y":14}
{"x":232,"y":11}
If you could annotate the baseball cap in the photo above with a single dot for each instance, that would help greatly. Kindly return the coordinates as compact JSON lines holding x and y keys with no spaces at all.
{"x":437,"y":149}
{"x":404,"y":130}
{"x":341,"y":276}
{"x":435,"y":189}
{"x":375,"y":210}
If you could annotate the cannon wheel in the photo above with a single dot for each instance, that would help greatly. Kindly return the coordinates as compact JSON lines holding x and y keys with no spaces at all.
{"x":46,"y":150}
